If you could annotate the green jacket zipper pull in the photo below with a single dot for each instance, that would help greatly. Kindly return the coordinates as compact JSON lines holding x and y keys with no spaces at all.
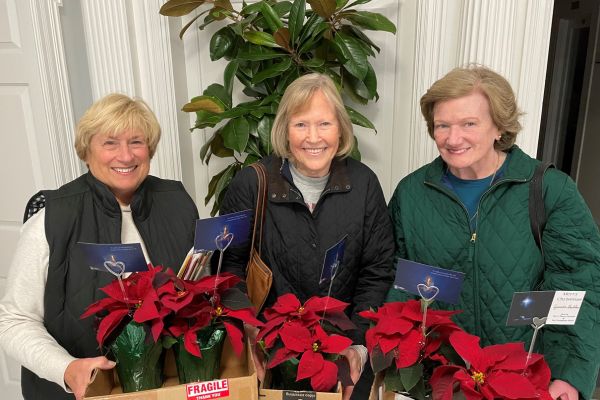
{"x":473,"y":237}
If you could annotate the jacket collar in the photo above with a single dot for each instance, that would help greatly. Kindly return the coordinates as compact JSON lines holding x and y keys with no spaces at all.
{"x":281,"y":186}
{"x":140,"y":203}
{"x":516,"y":170}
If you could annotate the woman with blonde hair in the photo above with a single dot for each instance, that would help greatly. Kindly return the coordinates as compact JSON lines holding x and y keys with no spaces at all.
{"x":116,"y":201}
{"x":316,"y":196}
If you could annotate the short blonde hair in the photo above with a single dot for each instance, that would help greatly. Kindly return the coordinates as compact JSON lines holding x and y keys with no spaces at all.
{"x":463,"y":81}
{"x":295,"y":99}
{"x":113,"y":114}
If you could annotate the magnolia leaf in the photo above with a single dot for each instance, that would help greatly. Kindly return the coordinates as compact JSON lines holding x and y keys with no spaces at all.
{"x":355,"y":153}
{"x":351,"y":29}
{"x":325,"y":8}
{"x":370,"y":20}
{"x":356,"y":59}
{"x":206,"y":118}
{"x":309,"y":27}
{"x":217,"y":147}
{"x":271,"y":17}
{"x":235,"y":134}
{"x":357,"y":2}
{"x":186,"y":26}
{"x":359,"y":119}
{"x":341,"y":3}
{"x":410,"y":376}
{"x":225,"y":4}
{"x":252,"y":8}
{"x":314,"y":63}
{"x":178,"y":8}
{"x":252,"y":147}
{"x":228,"y":75}
{"x":205,"y":147}
{"x":250,"y":158}
{"x":221,"y":43}
{"x":205,"y":103}
{"x":296,"y":19}
{"x":282,"y":8}
{"x":168,"y":341}
{"x":261,"y":38}
{"x":220,"y":181}
{"x":273,"y":70}
{"x":219,"y":92}
{"x":371,"y":83}
{"x":282,"y":38}
{"x":264,"y":133}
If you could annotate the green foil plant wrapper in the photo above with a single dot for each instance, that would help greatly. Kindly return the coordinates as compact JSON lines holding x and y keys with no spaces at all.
{"x":191,"y":368}
{"x":139,"y":359}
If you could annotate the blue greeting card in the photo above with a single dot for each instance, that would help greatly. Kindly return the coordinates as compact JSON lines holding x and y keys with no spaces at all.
{"x":115,"y":258}
{"x":220,"y":232}
{"x":559,"y":307}
{"x":333,"y":258}
{"x":428,"y":282}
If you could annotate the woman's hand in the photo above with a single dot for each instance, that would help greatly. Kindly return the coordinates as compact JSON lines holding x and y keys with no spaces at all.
{"x":562,"y":390}
{"x":356,"y":366}
{"x":78,"y":374}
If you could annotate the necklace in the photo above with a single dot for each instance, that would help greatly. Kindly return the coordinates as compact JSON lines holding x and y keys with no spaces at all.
{"x":491,"y":182}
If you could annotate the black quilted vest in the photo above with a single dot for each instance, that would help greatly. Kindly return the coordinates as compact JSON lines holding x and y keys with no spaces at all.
{"x":85,"y":210}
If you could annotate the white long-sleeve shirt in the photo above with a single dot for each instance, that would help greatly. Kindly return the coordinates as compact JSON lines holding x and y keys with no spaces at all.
{"x":22,"y":332}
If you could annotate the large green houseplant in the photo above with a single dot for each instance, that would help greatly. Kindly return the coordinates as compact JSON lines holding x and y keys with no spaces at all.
{"x":268,"y":44}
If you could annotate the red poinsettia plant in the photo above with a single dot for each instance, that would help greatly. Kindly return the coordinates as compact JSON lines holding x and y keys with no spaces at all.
{"x":171,"y":307}
{"x":495,"y":372}
{"x":302,"y":342}
{"x":404,"y":349}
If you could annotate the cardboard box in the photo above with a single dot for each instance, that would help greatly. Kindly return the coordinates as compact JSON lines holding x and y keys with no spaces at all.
{"x":275,"y":394}
{"x":239,"y":375}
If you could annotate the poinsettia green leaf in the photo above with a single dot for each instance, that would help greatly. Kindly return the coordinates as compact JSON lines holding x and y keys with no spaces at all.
{"x":379,"y":361}
{"x":392,"y":380}
{"x":178,"y":8}
{"x":235,"y":299}
{"x":410,"y":375}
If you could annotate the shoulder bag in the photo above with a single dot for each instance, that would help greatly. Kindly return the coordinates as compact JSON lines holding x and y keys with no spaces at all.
{"x":258,"y":275}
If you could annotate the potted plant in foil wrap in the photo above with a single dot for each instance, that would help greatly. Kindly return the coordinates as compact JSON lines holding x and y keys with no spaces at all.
{"x":403,"y":350}
{"x":148,"y":311}
{"x":302,"y":343}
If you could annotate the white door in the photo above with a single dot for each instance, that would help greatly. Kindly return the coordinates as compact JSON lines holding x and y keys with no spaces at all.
{"x":25,"y":154}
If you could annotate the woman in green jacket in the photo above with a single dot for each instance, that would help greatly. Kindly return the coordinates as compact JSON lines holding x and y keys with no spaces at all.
{"x":468,"y":211}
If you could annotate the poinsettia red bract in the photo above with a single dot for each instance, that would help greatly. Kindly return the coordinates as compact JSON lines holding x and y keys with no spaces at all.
{"x":496,"y":372}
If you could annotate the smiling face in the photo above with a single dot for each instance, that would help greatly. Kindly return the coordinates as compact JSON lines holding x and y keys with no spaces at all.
{"x":464,"y":133}
{"x":314,"y":136}
{"x":121,"y":162}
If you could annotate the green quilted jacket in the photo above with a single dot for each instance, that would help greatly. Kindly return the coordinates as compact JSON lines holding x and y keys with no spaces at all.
{"x":500,"y":257}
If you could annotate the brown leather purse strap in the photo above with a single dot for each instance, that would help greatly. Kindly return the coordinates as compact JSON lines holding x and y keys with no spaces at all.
{"x":261,"y":201}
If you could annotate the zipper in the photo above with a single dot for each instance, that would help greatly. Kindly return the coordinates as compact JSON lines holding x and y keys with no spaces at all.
{"x":473,"y":239}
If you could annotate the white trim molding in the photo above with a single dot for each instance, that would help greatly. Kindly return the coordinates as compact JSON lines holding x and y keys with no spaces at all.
{"x":55,"y":88}
{"x":157,"y":83}
{"x":108,"y":46}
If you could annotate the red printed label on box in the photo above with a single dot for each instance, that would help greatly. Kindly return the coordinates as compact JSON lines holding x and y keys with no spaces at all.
{"x":207,"y":390}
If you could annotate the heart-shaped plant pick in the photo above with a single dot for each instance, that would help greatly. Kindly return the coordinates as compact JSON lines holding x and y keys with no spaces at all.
{"x":427,"y":292}
{"x":117,"y":268}
{"x":223,"y":240}
{"x":538,"y":322}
